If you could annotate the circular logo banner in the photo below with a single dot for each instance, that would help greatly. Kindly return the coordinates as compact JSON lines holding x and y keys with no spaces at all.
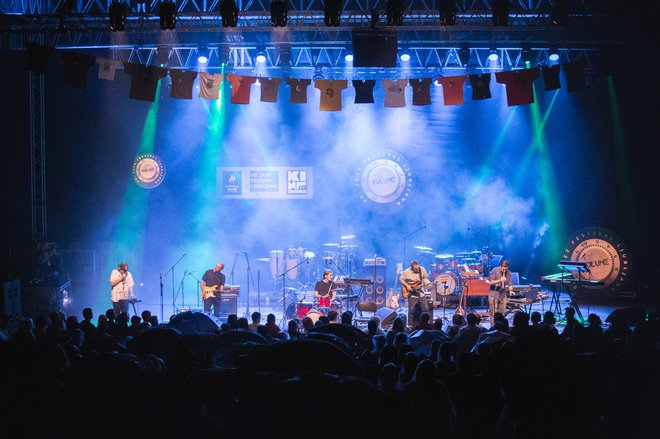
{"x":385,"y":179}
{"x":606,"y":256}
{"x":148,"y":171}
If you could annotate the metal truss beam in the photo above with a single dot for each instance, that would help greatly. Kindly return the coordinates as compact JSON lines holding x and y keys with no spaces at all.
{"x":37,"y":157}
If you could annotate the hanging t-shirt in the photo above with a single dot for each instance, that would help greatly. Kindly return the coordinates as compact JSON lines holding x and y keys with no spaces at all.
{"x":209,"y":85}
{"x":298,"y":90}
{"x":364,"y":91}
{"x":480,"y":86}
{"x":452,"y":89}
{"x":551,"y":77}
{"x":421,"y":91}
{"x":519,"y":85}
{"x":37,"y":57}
{"x":395,"y":92}
{"x":182,"y":84}
{"x":331,"y":93}
{"x":107,"y":68}
{"x":270,"y":88}
{"x":574,"y":76}
{"x":240,"y":88}
{"x":144,"y":80}
{"x":76,"y":68}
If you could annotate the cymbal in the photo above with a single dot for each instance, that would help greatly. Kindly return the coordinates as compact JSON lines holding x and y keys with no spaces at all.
{"x":262,"y":259}
{"x":331,"y":244}
{"x":425,"y":252}
{"x":309,"y":254}
{"x":346,"y":296}
{"x":475,"y":252}
{"x":444,"y":256}
{"x":347,"y":237}
{"x":328,"y":258}
{"x":422,"y":247}
{"x":349,"y":246}
{"x":463,"y":254}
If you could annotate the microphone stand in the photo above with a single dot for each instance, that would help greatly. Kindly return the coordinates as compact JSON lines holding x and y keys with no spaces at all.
{"x":173,"y":292}
{"x":161,"y":297}
{"x":183,"y":294}
{"x":283,"y":276}
{"x":249,"y":278}
{"x":231,"y":274}
{"x":199,"y":282}
{"x":405,"y":238}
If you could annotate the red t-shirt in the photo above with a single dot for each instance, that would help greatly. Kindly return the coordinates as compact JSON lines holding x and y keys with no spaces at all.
{"x":452,"y":89}
{"x":519,"y":89}
{"x":240,"y":88}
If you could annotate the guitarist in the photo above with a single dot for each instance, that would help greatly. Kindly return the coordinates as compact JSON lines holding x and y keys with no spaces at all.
{"x":413,"y":280}
{"x":213,"y":281}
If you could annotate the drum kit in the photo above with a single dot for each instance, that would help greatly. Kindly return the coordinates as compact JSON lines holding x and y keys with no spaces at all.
{"x":306,"y":305}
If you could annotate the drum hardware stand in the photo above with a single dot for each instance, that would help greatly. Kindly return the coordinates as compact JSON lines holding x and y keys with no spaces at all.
{"x":249,"y":279}
{"x":283,"y":276}
{"x":173,"y":292}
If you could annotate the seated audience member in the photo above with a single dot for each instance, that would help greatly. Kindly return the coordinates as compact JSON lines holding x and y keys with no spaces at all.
{"x":468,"y":335}
{"x":86,"y":324}
{"x":271,"y":327}
{"x":424,"y":322}
{"x":457,"y":322}
{"x":372,"y":328}
{"x":347,"y":318}
{"x":242,"y":323}
{"x":573,"y":328}
{"x":293,"y":330}
{"x":333,"y":316}
{"x":256,"y":321}
{"x":307,"y":324}
{"x":548,"y":324}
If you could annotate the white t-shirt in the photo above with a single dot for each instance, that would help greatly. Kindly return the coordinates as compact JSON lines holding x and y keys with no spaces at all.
{"x":122,"y":289}
{"x":209,"y":85}
{"x":107,"y":68}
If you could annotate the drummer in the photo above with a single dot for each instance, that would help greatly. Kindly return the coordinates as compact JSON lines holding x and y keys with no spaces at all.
{"x":324,"y":291}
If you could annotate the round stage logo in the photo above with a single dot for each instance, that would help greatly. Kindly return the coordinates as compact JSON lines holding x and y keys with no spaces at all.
{"x":385,"y":179}
{"x":148,"y":171}
{"x":606,"y":256}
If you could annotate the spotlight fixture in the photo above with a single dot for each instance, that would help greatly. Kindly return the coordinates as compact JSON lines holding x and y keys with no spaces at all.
{"x":447,"y":10}
{"x":203,"y":55}
{"x":117,"y":13}
{"x":394,"y":11}
{"x":493,"y":55}
{"x":500,"y":11}
{"x":279,"y":13}
{"x":349,"y":56}
{"x":332,"y":12}
{"x":526,"y":56}
{"x":285,"y":54}
{"x":261,"y":57}
{"x":167,"y":13}
{"x":553,"y":55}
{"x":404,"y":56}
{"x":228,"y":13}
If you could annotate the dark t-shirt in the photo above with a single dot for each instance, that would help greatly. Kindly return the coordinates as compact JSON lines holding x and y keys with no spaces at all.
{"x":144,"y":81}
{"x":364,"y":91}
{"x":213,"y":278}
{"x":480,"y":86}
{"x":323,"y":288}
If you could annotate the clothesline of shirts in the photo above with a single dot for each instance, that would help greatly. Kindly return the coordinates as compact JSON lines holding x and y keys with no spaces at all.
{"x":144,"y":83}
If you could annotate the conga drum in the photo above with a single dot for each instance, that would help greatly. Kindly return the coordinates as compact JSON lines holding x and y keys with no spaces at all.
{"x":291,"y":262}
{"x":276,"y":263}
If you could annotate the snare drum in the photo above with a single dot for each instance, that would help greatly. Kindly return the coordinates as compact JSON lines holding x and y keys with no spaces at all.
{"x":324,"y":302}
{"x":314,"y":314}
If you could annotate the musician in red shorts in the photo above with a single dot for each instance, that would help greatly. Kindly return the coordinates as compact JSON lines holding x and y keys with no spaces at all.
{"x":324,"y":291}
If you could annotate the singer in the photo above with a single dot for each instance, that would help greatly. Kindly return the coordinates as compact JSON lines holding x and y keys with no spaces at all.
{"x":500,"y":281}
{"x":121,"y":283}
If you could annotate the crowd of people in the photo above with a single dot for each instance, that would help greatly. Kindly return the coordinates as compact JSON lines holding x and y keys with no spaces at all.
{"x":135,"y":376}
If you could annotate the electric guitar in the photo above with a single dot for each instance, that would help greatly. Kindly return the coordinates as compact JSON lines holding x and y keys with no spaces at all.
{"x":410,"y":288}
{"x":210,"y":292}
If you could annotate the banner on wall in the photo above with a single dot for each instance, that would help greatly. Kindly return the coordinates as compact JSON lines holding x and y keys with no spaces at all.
{"x":266,"y":182}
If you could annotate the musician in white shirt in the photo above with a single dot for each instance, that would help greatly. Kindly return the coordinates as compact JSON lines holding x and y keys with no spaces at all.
{"x":121,"y":282}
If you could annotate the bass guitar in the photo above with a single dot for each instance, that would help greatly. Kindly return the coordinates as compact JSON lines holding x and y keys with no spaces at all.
{"x":210,"y":292}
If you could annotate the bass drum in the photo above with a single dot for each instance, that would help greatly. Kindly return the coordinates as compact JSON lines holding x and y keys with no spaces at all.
{"x":314,"y":314}
{"x":446,"y":283}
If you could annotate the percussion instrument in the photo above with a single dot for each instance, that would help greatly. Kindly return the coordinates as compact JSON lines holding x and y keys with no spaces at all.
{"x":276,"y":263}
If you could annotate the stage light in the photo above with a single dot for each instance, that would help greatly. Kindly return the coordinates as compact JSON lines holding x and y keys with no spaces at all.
{"x":404,"y":56}
{"x":553,"y":55}
{"x":394,"y":10}
{"x":526,"y":56}
{"x":202,"y":55}
{"x":278,"y":13}
{"x":447,"y":10}
{"x":285,"y":54}
{"x":332,"y":12}
{"x":117,"y":13}
{"x":228,"y":13}
{"x":500,"y":11}
{"x":261,"y":57}
{"x":167,"y":14}
{"x":349,"y":56}
{"x":493,"y":56}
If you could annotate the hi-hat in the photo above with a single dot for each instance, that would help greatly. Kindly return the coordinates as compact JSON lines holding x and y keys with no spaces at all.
{"x":422,"y":247}
{"x":331,"y":244}
{"x":349,"y":246}
{"x":309,"y":255}
{"x":347,"y":237}
{"x":444,"y":256}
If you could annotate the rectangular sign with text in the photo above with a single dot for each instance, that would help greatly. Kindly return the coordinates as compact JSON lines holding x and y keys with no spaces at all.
{"x":272,"y":182}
